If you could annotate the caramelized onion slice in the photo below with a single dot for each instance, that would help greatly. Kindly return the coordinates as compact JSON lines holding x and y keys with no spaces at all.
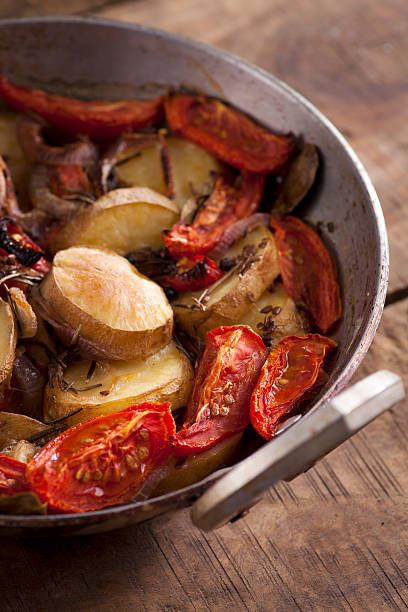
{"x":82,"y":152}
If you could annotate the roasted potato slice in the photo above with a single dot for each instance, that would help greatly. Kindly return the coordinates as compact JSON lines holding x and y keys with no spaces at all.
{"x":277,"y":305}
{"x":165,"y":376}
{"x":196,"y":467}
{"x":122,"y":220}
{"x":230,"y":298}
{"x":107,"y":303}
{"x":144,"y":169}
{"x":192,"y":167}
{"x":8,"y":340}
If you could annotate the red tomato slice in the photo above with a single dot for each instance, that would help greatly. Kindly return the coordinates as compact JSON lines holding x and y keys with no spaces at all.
{"x":12,"y":476}
{"x":227,"y":204}
{"x":196,"y":272}
{"x":68,"y":179}
{"x":292,"y":368}
{"x":103,"y":461}
{"x":226,"y":375}
{"x":98,"y":119}
{"x":228,"y":134}
{"x":308,"y":271}
{"x":13,"y":241}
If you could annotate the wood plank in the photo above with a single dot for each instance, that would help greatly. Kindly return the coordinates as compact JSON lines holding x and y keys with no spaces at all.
{"x":334,"y":538}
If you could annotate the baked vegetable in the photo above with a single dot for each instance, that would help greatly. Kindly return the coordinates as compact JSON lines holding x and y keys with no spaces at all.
{"x":121,"y":220}
{"x":99,"y":300}
{"x":12,"y":476}
{"x":228,"y":134}
{"x":104,"y":461}
{"x":97,"y":118}
{"x":308,"y":270}
{"x":219,"y":404}
{"x":293,"y":367}
{"x":255,"y":265}
{"x":229,"y":201}
{"x":275,"y":316}
{"x":298,"y":180}
{"x":102,"y":387}
{"x":187,"y":470}
{"x":192,"y":169}
{"x":169,"y":165}
{"x":15,"y":427}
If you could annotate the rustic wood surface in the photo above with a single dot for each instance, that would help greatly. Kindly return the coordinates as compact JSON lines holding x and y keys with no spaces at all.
{"x":336,"y":537}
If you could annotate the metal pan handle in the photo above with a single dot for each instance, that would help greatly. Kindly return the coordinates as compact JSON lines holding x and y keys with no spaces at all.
{"x":312,"y":437}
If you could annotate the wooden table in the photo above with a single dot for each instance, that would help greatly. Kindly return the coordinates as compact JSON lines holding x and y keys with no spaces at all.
{"x":336,"y":537}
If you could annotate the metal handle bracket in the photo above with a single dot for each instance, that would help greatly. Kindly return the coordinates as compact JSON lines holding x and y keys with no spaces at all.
{"x":298,"y":448}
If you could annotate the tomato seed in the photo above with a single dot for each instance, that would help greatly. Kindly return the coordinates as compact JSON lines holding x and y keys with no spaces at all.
{"x":86,"y":477}
{"x":142,"y":452}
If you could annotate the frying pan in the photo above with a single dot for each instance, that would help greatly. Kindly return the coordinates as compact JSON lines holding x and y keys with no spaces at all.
{"x":106,"y":60}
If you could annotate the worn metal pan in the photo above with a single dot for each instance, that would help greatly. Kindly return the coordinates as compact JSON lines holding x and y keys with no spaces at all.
{"x":101,"y":59}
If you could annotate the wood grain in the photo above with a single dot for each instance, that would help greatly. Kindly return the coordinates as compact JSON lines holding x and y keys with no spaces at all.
{"x":336,"y":537}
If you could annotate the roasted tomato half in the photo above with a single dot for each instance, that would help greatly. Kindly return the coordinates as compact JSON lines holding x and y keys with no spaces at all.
{"x":103,"y":461}
{"x":228,"y":134}
{"x":308,"y":271}
{"x":12,"y":476}
{"x":226,"y":375}
{"x":228,"y":202}
{"x":293,"y":367}
{"x":98,"y":119}
{"x":13,"y":241}
{"x":194,"y":272}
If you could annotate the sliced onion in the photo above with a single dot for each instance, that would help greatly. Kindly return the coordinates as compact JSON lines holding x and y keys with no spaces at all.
{"x":42,"y":197}
{"x":236,"y":231}
{"x":82,"y":152}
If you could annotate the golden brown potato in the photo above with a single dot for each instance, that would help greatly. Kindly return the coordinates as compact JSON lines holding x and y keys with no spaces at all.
{"x":144,"y":169}
{"x":234,"y":295}
{"x":281,"y":308}
{"x":196,"y":467}
{"x":165,"y":376}
{"x":122,"y":220}
{"x":192,"y":168}
{"x":8,"y":340}
{"x":120,"y":313}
